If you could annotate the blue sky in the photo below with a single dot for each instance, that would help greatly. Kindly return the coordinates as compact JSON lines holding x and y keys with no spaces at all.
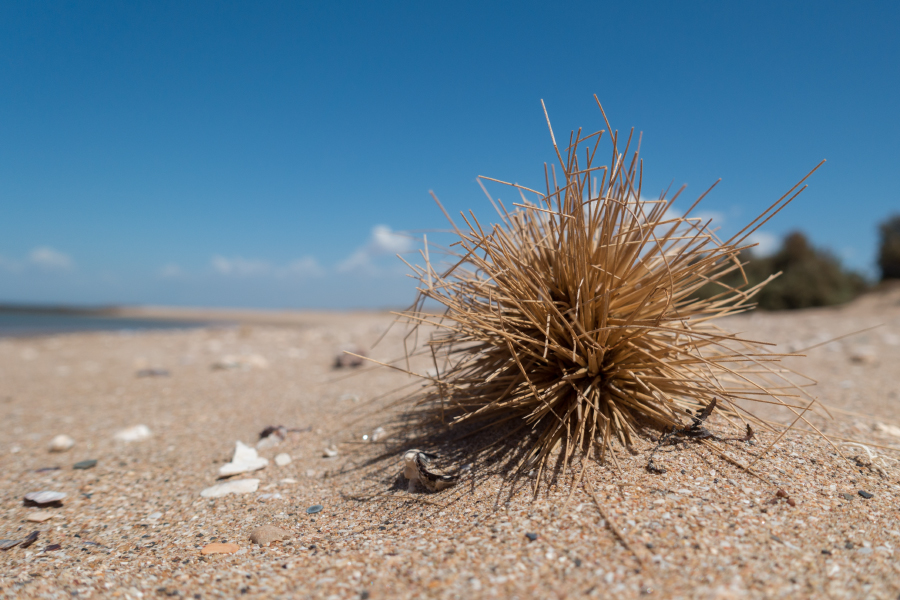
{"x":266,"y":154}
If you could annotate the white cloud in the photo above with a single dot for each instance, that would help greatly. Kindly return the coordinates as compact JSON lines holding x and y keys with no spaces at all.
{"x":303,"y":267}
{"x":306,"y":266}
{"x":767,"y":243}
{"x":240,"y":266}
{"x":48,"y":258}
{"x":718,"y":219}
{"x":382,"y":241}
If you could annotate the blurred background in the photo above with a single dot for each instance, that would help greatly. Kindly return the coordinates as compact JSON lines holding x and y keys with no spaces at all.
{"x":280,"y":154}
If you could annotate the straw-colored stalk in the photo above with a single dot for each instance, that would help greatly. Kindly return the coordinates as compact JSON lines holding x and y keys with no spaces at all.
{"x":574,"y":320}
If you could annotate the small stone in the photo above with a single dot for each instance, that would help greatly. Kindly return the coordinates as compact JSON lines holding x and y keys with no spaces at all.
{"x":154,"y":516}
{"x":288,"y":480}
{"x":865,"y":551}
{"x":888,"y":429}
{"x":133,"y":434}
{"x":531,"y":536}
{"x":85,"y":464}
{"x":7,"y":544}
{"x":51,"y":548}
{"x":45,"y":497}
{"x":219,"y":548}
{"x":266,"y":534}
{"x":846,"y":496}
{"x":268,"y":442}
{"x":61,"y":443}
{"x":245,"y":459}
{"x":238,"y":486}
{"x":315,"y":508}
{"x":346,"y":358}
{"x":152,"y":373}
{"x":378,"y":434}
{"x":283,"y":459}
{"x":330,"y":451}
{"x":39,"y":516}
{"x":865,"y":494}
{"x":32,"y":538}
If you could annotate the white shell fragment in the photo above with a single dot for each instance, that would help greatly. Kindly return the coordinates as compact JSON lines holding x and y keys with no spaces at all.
{"x":133,"y":434}
{"x":245,"y":361}
{"x":330,"y":451}
{"x":61,"y":443}
{"x":45,"y":497}
{"x":245,"y":459}
{"x":283,"y":459}
{"x":416,"y":469}
{"x":238,"y":486}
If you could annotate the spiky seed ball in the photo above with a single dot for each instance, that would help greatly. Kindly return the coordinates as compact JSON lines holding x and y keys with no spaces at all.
{"x":575,"y":316}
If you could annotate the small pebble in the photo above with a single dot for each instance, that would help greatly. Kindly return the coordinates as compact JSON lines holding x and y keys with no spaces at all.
{"x":239,"y":486}
{"x":45,"y":497}
{"x":865,"y":551}
{"x":266,"y":534}
{"x":133,"y":434}
{"x":61,"y":443}
{"x":32,"y":538}
{"x":51,"y":548}
{"x":219,"y":548}
{"x":531,"y":536}
{"x":330,"y":452}
{"x":7,"y":544}
{"x":343,"y":360}
{"x":314,"y":509}
{"x":152,"y":373}
{"x":846,"y":496}
{"x":154,"y":516}
{"x":39,"y":516}
{"x":283,"y":459}
{"x":865,"y":494}
{"x":85,"y":464}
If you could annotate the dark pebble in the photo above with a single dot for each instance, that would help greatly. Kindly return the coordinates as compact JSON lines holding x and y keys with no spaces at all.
{"x":32,"y":538}
{"x":314,"y":509}
{"x":85,"y":464}
{"x":865,"y":494}
{"x":52,"y":547}
{"x":531,"y":536}
{"x":848,"y":545}
{"x":7,"y":544}
{"x":153,"y":373}
{"x":828,"y":552}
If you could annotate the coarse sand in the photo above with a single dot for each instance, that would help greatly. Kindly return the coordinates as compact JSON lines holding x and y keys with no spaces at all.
{"x":805,"y":523}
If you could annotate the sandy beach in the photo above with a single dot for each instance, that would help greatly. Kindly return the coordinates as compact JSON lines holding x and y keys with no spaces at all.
{"x":803,"y":522}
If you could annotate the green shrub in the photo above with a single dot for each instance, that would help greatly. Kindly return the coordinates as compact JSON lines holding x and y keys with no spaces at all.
{"x":809,"y":277}
{"x":889,"y":251}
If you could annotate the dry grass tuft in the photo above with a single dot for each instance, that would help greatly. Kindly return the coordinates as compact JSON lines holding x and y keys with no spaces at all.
{"x":573,"y":322}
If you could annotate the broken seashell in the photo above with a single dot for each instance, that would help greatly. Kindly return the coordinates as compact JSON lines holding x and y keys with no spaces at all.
{"x":416,"y":469}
